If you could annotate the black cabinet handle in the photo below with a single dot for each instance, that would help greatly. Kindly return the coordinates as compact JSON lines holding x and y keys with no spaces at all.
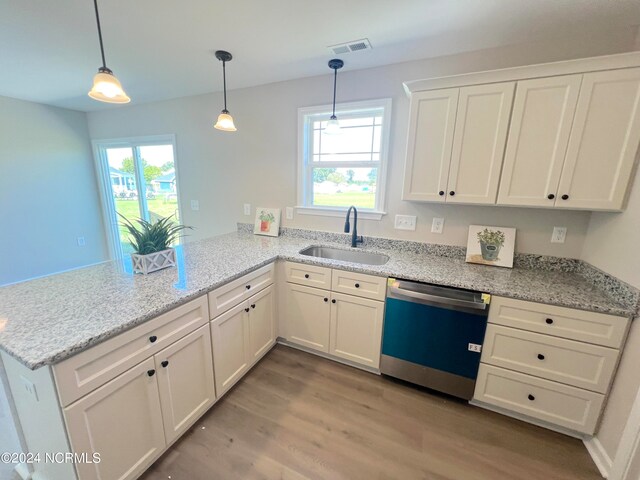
{"x":253,"y":305}
{"x":551,"y":196}
{"x":565,"y":197}
{"x":246,"y":309}
{"x":151,"y":372}
{"x":248,"y":287}
{"x":165,"y":364}
{"x":357,"y":285}
{"x":549,"y":321}
{"x":153,"y":338}
{"x":326,"y":299}
{"x":531,"y":397}
{"x":441,"y":193}
{"x":306,"y":275}
{"x":452,"y":193}
{"x":540,"y":356}
{"x":333,"y":301}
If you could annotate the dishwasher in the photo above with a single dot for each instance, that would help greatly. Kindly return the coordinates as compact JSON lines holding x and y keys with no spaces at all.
{"x":433,"y":336}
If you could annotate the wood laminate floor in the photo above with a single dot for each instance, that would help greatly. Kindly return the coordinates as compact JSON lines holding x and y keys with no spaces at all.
{"x":297,"y":416}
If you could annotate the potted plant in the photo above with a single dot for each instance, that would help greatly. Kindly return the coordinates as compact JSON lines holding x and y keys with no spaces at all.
{"x":491,"y":241}
{"x":152,"y":243}
{"x":265,"y":221}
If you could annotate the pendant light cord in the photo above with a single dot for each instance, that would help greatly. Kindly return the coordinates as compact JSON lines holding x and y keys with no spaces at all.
{"x":335,"y":79}
{"x":104,"y":63}
{"x":224,"y":83}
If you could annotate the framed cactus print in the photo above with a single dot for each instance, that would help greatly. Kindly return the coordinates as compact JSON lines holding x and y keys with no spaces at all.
{"x":267,"y":222}
{"x":491,"y":245}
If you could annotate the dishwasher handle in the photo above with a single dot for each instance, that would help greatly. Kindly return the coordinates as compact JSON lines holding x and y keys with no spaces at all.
{"x":401,"y":293}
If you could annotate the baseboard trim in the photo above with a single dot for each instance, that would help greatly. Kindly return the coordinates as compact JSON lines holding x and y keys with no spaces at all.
{"x":599,"y":456}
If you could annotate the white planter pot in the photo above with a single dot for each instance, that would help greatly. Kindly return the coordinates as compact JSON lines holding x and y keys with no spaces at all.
{"x":153,"y":261}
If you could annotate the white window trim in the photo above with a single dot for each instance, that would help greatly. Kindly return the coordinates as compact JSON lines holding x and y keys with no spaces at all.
{"x":379,"y":210}
{"x":102,"y":173}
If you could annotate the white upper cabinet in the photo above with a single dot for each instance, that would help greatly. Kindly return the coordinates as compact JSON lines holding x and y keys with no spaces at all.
{"x":478,"y":143}
{"x":603,"y":142}
{"x":456,"y":143}
{"x":541,"y":121}
{"x":431,"y":127}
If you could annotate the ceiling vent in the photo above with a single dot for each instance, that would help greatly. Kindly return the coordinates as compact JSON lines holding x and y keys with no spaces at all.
{"x":352,"y":46}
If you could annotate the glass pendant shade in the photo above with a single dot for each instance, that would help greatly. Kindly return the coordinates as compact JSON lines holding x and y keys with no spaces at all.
{"x":332,"y":127}
{"x":107,"y":88}
{"x":225,"y":122}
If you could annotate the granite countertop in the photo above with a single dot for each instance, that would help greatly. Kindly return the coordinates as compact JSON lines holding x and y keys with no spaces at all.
{"x":47,"y":320}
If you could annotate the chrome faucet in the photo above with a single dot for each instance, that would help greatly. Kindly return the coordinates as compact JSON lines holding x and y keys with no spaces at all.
{"x":355,"y":239}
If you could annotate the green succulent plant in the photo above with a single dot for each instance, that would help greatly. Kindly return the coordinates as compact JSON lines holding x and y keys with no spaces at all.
{"x":491,"y":237}
{"x":267,"y":217}
{"x":147,"y":237}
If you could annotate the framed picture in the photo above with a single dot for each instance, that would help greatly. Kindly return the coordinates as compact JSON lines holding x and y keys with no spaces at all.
{"x":267,"y":221}
{"x":491,"y":245}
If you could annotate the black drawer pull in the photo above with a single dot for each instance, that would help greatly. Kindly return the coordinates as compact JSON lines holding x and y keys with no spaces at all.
{"x":253,"y":305}
{"x":326,"y":299}
{"x":151,"y":372}
{"x":452,"y":193}
{"x":357,"y":285}
{"x":531,"y":397}
{"x":441,"y":193}
{"x":153,"y":338}
{"x":540,"y":356}
{"x":248,"y":287}
{"x":306,"y":275}
{"x":565,"y":197}
{"x":551,"y":196}
{"x":549,"y":321}
{"x":246,"y":309}
{"x":165,"y":364}
{"x":333,"y":301}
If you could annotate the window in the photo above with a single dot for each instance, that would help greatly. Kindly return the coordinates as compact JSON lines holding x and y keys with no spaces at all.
{"x":137,"y":180}
{"x":347,"y":168}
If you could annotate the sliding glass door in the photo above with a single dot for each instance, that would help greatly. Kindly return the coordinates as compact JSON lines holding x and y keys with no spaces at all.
{"x":138,"y":181}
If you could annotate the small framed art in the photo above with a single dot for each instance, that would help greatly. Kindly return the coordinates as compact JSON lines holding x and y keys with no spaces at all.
{"x":267,"y":222}
{"x":491,"y":245}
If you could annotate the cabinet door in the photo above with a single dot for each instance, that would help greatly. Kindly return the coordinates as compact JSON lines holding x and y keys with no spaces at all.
{"x":431,"y":126}
{"x":262,"y":327}
{"x":543,"y":112}
{"x":185,"y":380}
{"x":307,"y":316}
{"x":122,"y":422}
{"x":603,"y":142}
{"x":230,"y":339}
{"x":356,"y":329}
{"x":478,"y":143}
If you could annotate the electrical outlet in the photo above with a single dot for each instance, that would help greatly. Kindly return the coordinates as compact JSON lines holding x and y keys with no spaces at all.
{"x":247,"y":209}
{"x":81,"y":242}
{"x":289,"y":213}
{"x":559,"y":234}
{"x":437,"y":225}
{"x":195,"y":205}
{"x":405,"y":222}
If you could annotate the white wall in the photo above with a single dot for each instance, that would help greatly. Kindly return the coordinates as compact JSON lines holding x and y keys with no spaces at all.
{"x":48,"y":193}
{"x":610,"y":244}
{"x":257,"y":164}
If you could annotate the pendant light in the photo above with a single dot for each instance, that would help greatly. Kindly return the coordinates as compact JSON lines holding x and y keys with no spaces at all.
{"x":333,"y":126}
{"x":106,"y":87}
{"x":225,"y":121}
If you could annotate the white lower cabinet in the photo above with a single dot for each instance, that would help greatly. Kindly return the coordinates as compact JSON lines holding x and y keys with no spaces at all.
{"x":356,"y":329}
{"x":241,"y":336}
{"x":122,"y":421}
{"x":185,"y":380}
{"x":308,"y":316}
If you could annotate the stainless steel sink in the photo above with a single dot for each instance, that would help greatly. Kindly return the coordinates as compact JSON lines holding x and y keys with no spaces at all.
{"x":353,"y":256}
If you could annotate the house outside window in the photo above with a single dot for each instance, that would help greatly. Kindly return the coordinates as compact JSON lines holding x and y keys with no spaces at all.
{"x":348,"y":168}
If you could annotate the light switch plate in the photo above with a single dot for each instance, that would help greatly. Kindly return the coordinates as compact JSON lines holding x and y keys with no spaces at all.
{"x":437,"y":225}
{"x":195,"y":205}
{"x":247,"y":209}
{"x":405,"y":222}
{"x":559,"y":234}
{"x":289,"y":213}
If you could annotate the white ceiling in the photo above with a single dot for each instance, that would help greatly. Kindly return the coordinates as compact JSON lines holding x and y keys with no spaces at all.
{"x":161,"y":49}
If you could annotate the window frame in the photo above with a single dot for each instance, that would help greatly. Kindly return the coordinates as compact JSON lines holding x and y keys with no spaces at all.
{"x":305,"y":162}
{"x":107,"y":202}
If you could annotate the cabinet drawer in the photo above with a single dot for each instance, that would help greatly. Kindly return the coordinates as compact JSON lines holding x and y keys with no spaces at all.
{"x":359,"y":284}
{"x":591,"y":327}
{"x":574,"y":363}
{"x":82,"y":373}
{"x":309,"y":275}
{"x":551,"y":402}
{"x":227,"y":296}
